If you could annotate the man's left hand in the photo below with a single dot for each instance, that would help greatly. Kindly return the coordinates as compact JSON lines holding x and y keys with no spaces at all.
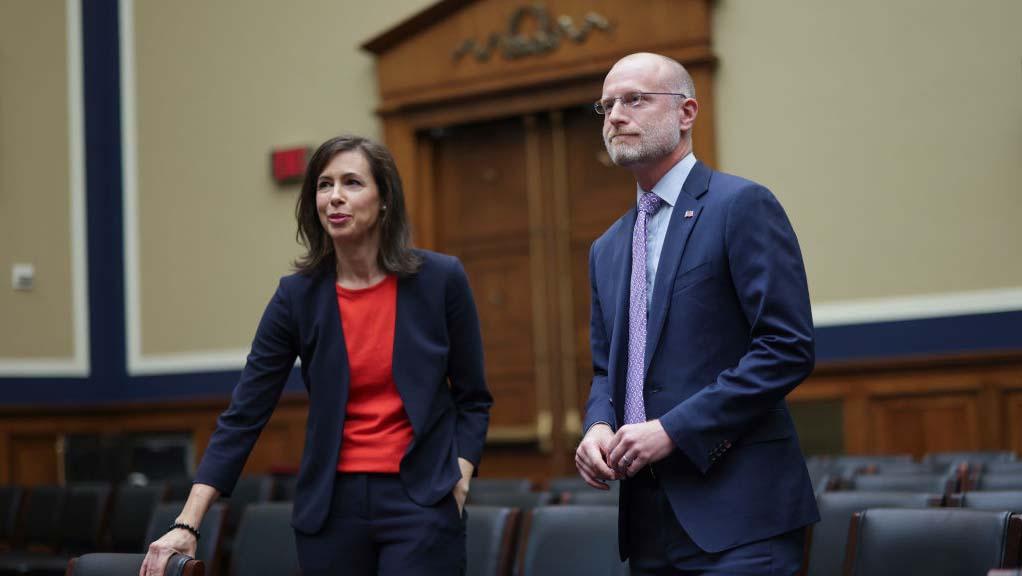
{"x":636,"y":445}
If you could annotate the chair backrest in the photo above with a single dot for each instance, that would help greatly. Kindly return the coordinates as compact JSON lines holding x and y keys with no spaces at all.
{"x":941,"y":483}
{"x":130,"y":516}
{"x":85,"y":508}
{"x":284,"y":488}
{"x":593,"y":498}
{"x":490,"y":539}
{"x":566,"y":540}
{"x":111,"y":564}
{"x":884,"y":542}
{"x":829,"y":535}
{"x":480,"y":485}
{"x":999,"y":481}
{"x":265,"y":542}
{"x":248,"y":490}
{"x":1003,"y":500}
{"x":210,"y":529}
{"x":563,"y":484}
{"x":973,"y":458}
{"x":524,"y":501}
{"x":178,"y":489}
{"x":41,"y":518}
{"x":10,"y":503}
{"x":999,"y":467}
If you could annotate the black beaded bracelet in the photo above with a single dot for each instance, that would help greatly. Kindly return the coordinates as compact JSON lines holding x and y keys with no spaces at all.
{"x":183,"y":526}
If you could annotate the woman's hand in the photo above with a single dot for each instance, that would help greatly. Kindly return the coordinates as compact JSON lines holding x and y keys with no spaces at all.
{"x":177,"y":541}
{"x":461,"y":488}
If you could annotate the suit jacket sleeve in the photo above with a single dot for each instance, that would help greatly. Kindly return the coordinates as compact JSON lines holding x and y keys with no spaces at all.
{"x":770,"y":282}
{"x":269,"y":363}
{"x":471,"y":397}
{"x":600,"y":406}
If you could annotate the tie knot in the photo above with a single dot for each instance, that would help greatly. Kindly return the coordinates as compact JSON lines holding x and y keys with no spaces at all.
{"x":649,"y":203}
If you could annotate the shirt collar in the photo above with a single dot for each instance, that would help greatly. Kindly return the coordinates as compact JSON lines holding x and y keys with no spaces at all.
{"x":669,"y":186}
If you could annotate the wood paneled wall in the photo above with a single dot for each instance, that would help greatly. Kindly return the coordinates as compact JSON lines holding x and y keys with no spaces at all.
{"x":901,"y":406}
{"x":915,"y":406}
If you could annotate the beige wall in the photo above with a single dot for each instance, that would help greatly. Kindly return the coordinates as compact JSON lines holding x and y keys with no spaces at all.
{"x":220,"y":84}
{"x":891,"y":131}
{"x":35,"y":186}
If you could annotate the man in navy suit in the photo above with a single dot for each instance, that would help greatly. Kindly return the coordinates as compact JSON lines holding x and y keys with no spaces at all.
{"x":700,"y":326}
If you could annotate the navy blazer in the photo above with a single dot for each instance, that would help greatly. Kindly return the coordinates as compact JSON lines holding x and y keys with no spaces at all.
{"x":437,"y":367}
{"x":729,"y":334}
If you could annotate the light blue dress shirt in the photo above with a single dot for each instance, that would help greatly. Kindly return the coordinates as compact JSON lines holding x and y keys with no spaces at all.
{"x":668,"y":189}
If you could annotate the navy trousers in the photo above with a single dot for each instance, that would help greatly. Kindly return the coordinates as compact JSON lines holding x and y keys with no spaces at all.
{"x":374,"y":529}
{"x":659,"y":545}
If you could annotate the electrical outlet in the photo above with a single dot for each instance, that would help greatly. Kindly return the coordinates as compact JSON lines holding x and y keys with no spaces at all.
{"x":23,"y":277}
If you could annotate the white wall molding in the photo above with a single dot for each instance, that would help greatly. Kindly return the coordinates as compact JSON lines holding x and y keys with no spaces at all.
{"x":138,"y":363}
{"x":77,"y":365}
{"x":825,"y":314}
{"x":917,"y":307}
{"x":129,"y":183}
{"x":214,"y":361}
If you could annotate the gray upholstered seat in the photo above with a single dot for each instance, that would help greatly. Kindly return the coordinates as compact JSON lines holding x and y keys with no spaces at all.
{"x":572,"y":540}
{"x":890,"y":542}
{"x":830,"y":534}
{"x":490,"y":538}
{"x":265,"y":542}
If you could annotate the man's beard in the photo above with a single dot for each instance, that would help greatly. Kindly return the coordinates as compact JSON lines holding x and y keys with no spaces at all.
{"x":656,"y":141}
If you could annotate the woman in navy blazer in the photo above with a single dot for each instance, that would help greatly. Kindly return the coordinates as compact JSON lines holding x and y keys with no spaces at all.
{"x":352,"y":516}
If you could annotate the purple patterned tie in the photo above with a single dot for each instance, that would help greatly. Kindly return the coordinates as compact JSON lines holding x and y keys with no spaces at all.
{"x":635,"y":408}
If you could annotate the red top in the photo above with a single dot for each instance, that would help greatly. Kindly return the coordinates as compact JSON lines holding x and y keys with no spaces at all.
{"x":376,"y":429}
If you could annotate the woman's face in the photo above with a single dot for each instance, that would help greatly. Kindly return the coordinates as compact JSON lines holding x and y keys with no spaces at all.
{"x":347,"y":199}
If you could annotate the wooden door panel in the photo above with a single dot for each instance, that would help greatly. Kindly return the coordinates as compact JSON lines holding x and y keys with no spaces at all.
{"x":599,"y":193}
{"x":484,"y":219}
{"x":918,"y":425}
{"x":34,"y":459}
{"x":1013,"y":421}
{"x":481,"y":183}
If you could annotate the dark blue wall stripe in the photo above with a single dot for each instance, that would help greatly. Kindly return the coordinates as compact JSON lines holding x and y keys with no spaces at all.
{"x":109,"y":381}
{"x":925,"y":337}
{"x":102,"y":77}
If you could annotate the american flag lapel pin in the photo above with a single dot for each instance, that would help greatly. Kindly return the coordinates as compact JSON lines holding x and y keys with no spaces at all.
{"x":689,"y":213}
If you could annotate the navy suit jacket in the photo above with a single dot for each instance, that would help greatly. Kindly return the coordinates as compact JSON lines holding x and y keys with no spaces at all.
{"x":437,"y":367}
{"x":729,"y":334}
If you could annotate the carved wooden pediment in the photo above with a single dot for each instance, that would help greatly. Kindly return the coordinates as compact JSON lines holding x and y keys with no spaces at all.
{"x":465,"y":48}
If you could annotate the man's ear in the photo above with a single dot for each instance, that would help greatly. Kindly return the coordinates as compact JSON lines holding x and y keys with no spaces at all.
{"x":687,"y":113}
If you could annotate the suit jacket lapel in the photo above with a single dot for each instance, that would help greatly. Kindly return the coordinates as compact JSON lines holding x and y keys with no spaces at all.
{"x":678,"y":231}
{"x":621,"y":266}
{"x":402,"y":360}
{"x":333,"y":360}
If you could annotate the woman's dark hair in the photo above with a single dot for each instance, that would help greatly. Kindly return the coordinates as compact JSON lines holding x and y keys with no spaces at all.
{"x":396,"y":255}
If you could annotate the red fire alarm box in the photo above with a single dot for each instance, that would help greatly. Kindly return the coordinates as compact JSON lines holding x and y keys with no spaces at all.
{"x":289,"y":164}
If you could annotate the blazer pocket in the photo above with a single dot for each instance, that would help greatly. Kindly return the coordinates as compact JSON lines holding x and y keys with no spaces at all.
{"x":776,"y":426}
{"x":693,"y":276}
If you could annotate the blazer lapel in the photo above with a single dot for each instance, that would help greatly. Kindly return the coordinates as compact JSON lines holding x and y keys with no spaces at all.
{"x":402,"y":360}
{"x":333,"y":361}
{"x":621,"y":267}
{"x":683,"y":219}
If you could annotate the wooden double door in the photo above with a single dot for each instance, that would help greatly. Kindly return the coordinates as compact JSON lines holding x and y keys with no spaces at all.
{"x":520,"y":200}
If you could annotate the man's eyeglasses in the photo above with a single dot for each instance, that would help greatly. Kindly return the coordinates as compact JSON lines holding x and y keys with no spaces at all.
{"x":632,"y":100}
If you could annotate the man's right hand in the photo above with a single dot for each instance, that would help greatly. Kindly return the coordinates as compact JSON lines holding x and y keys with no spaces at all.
{"x":177,"y":541}
{"x":591,"y":457}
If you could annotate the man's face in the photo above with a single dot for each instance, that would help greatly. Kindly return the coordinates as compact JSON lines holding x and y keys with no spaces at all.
{"x":647,"y":132}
